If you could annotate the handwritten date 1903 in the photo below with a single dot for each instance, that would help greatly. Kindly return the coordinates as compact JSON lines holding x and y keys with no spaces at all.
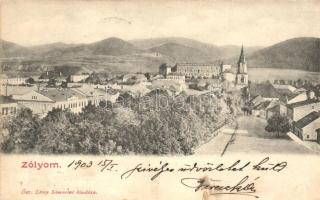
{"x":104,"y":165}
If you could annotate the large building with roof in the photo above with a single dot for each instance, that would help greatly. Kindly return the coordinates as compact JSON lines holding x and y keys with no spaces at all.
{"x":198,"y":70}
{"x":43,"y":101}
{"x":210,"y":71}
{"x":306,"y":127}
{"x":75,"y":99}
{"x":298,"y":110}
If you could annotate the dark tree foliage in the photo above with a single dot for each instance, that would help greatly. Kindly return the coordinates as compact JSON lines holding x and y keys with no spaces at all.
{"x":23,"y":132}
{"x":30,"y":81}
{"x":279,"y":124}
{"x":126,"y":129}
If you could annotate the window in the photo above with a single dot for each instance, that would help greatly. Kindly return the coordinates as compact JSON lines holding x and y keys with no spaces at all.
{"x":307,"y":136}
{"x":34,"y":97}
{"x":242,"y":79}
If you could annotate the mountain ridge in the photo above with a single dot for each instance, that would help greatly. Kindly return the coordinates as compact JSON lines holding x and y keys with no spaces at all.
{"x":296,"y":53}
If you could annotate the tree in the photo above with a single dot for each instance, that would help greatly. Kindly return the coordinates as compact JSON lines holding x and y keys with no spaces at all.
{"x":64,"y":84}
{"x":23,"y":132}
{"x":148,"y":76}
{"x":30,"y":80}
{"x":278,"y":123}
{"x":58,"y":133}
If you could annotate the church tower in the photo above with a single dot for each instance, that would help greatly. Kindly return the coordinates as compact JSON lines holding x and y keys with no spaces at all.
{"x":242,"y":71}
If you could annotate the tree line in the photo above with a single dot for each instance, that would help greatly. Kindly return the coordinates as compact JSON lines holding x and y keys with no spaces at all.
{"x":123,"y":128}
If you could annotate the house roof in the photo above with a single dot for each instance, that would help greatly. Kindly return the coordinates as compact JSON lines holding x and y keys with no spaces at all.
{"x":198,"y":64}
{"x":175,"y":74}
{"x":228,"y":71}
{"x":16,"y":90}
{"x":60,"y":94}
{"x":307,"y":119}
{"x":275,"y":108}
{"x":303,"y":103}
{"x":262,"y":105}
{"x":265,"y":90}
{"x":90,"y":91}
{"x":256,"y":100}
{"x":6,"y":99}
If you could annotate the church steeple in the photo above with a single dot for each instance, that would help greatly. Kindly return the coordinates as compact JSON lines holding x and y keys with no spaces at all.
{"x":242,"y":72}
{"x":242,"y":58}
{"x":242,"y":65}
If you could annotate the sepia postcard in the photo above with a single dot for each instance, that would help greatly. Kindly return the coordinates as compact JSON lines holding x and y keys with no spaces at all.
{"x":159,"y":100}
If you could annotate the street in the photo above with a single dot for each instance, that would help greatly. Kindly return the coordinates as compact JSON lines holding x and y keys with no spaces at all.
{"x":250,"y":137}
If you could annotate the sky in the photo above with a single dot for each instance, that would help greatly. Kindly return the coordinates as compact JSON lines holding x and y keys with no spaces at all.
{"x":229,"y":22}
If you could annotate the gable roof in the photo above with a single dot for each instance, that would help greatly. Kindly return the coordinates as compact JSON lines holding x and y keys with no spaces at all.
{"x":303,"y":103}
{"x":90,"y":91}
{"x":60,"y":94}
{"x":307,"y":119}
{"x":16,"y":90}
{"x":262,"y":105}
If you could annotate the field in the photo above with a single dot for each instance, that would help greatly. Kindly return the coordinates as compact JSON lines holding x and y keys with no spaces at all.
{"x":263,"y":74}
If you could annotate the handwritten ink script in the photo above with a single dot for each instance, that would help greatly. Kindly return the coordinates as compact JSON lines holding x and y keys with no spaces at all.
{"x":242,"y":187}
{"x":212,"y":183}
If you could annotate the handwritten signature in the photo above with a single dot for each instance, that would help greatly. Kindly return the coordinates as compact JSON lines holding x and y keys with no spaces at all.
{"x":209,"y":186}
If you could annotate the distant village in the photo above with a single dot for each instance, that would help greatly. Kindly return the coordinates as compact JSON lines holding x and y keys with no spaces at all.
{"x":298,"y":100}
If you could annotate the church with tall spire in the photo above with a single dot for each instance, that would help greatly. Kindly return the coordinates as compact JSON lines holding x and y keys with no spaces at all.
{"x":242,"y":71}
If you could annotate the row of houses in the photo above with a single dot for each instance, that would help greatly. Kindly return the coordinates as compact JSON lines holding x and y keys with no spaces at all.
{"x":43,"y":101}
{"x":301,"y":107}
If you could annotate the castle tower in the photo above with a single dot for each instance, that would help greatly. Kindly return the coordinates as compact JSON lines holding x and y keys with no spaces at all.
{"x":242,"y":71}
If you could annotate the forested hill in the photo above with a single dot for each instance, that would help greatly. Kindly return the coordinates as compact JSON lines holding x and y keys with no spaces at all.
{"x":297,"y":53}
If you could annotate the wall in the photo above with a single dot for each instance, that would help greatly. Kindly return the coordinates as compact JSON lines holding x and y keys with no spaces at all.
{"x":310,"y":130}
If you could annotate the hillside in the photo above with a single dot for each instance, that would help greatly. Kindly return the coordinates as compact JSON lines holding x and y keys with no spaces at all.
{"x":114,"y":54}
{"x":9,"y":49}
{"x":44,"y":49}
{"x":111,"y":46}
{"x":209,"y":50}
{"x":181,"y":53}
{"x":213,"y":51}
{"x":297,"y":53}
{"x":233,"y":51}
